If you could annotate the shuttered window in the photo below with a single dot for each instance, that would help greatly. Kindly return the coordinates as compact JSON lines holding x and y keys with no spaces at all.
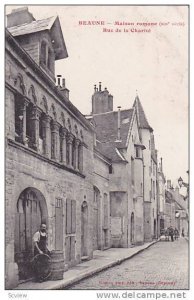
{"x":70,"y":216}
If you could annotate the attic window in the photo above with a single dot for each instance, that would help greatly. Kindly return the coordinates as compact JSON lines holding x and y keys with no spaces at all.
{"x":50,"y":59}
{"x":43,"y":53}
{"x":110,"y":169}
{"x":137,"y":152}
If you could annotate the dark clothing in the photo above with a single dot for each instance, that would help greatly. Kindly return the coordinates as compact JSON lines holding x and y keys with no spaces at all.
{"x":42,"y":245}
{"x":171,"y":233}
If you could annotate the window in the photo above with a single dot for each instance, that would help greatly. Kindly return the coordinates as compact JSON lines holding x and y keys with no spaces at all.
{"x":132,"y":171}
{"x":138,"y":152}
{"x":50,"y":55}
{"x":43,"y":54}
{"x":110,"y":169}
{"x":29,"y":128}
{"x":70,"y":216}
{"x":58,"y":224}
{"x":18,"y":121}
{"x":154,"y":190}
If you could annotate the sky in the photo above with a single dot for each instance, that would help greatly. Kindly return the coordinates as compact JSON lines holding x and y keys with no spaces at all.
{"x":152,"y":64}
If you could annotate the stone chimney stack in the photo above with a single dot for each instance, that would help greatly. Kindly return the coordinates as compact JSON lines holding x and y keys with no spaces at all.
{"x":169,"y":184}
{"x":19,"y":16}
{"x":102,"y":101}
{"x":63,"y":89}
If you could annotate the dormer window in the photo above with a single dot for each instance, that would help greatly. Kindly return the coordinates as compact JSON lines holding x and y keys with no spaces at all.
{"x":50,"y":59}
{"x":43,"y":53}
{"x":46,"y":57}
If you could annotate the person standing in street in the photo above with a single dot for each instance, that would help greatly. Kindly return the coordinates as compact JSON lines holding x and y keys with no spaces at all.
{"x":171,"y":233}
{"x":176,"y":234}
{"x":40,"y":241}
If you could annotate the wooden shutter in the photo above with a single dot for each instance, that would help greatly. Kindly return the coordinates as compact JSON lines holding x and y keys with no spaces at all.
{"x":73,"y":216}
{"x":72,"y":247}
{"x":59,"y":225}
{"x":68,"y":216}
{"x":68,"y":248}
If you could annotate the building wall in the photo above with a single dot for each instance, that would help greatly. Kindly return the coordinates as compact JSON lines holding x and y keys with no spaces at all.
{"x":27,"y":168}
{"x":101,"y":182}
{"x":150,"y":175}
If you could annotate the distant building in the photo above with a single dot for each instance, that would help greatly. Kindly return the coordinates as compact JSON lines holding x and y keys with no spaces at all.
{"x":161,"y":199}
{"x":117,"y":138}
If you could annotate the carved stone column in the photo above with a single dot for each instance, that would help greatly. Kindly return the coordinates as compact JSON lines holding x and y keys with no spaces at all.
{"x":22,"y":121}
{"x":70,"y":138}
{"x":76,"y":156}
{"x":46,"y":135}
{"x":80,"y":157}
{"x":63,"y":137}
{"x":36,"y":112}
{"x":55,"y":140}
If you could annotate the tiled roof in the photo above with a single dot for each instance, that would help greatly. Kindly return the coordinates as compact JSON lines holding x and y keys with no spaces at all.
{"x":107,"y":133}
{"x":34,"y":26}
{"x":142,"y":120}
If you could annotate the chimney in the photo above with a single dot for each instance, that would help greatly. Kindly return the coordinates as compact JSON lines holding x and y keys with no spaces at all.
{"x":63,"y":82}
{"x":119,"y":124}
{"x":19,"y":16}
{"x":102,"y":101}
{"x":161,"y":166}
{"x":63,"y":88}
{"x":59,"y":80}
{"x":168,"y":184}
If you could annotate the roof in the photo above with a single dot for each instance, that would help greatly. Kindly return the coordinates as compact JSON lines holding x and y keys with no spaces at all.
{"x":52,"y":24}
{"x":106,"y":127}
{"x":141,"y":117}
{"x":32,"y":27}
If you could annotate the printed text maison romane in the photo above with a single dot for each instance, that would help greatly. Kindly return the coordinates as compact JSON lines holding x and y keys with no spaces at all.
{"x":117,"y":23}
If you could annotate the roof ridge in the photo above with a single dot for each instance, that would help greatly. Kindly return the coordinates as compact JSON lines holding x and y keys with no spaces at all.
{"x":141,"y":116}
{"x":26,"y":24}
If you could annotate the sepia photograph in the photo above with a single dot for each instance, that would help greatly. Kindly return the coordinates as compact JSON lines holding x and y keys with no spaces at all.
{"x":97,"y":147}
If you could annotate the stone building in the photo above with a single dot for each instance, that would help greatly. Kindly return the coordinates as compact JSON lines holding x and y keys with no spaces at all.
{"x":117,"y":138}
{"x":150,"y":173}
{"x":49,"y":150}
{"x":181,"y":211}
{"x":161,"y":199}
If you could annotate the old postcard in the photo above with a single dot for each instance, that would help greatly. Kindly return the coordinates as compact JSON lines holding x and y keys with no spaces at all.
{"x":97,"y":156}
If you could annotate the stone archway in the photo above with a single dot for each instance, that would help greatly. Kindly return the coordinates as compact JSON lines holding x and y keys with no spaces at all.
{"x":31,"y":211}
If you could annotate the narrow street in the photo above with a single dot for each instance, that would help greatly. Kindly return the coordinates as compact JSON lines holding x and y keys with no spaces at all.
{"x":162,"y":266}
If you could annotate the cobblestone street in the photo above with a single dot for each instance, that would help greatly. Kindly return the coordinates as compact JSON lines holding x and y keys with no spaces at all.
{"x":162,"y":266}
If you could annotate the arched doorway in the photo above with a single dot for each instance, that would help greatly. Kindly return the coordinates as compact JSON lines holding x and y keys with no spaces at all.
{"x":132,"y":229}
{"x":84,"y":228}
{"x":30,"y":212}
{"x":96,"y":202}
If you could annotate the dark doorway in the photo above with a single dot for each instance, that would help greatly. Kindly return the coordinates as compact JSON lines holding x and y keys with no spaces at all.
{"x":31,"y":212}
